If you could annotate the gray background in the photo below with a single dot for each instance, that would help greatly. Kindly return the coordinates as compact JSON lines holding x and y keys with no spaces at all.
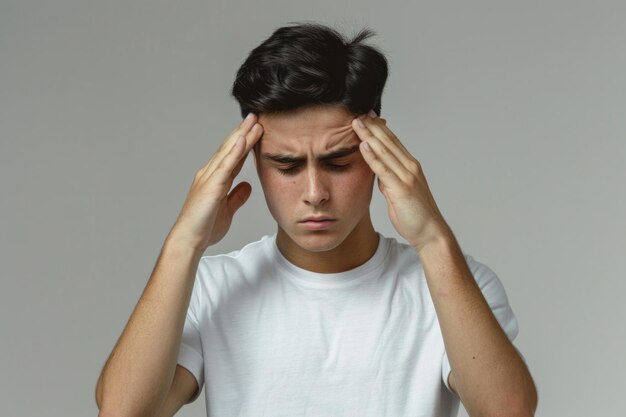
{"x":516,"y":111}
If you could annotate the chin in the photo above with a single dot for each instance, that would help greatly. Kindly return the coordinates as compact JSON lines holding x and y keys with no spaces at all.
{"x":318,"y":242}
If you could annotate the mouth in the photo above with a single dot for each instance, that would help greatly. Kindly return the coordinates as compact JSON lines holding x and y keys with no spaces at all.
{"x":317,"y":223}
{"x":316,"y":219}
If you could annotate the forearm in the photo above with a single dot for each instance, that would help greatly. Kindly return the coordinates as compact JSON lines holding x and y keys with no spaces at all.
{"x":138,"y":373}
{"x":491,"y":378}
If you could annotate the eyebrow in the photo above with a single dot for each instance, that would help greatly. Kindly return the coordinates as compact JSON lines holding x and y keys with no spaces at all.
{"x":288,"y":159}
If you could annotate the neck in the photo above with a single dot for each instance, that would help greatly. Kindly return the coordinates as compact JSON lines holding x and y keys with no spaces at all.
{"x":356,"y":249}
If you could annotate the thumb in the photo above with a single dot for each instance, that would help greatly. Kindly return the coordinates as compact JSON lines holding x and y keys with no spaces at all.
{"x":238,"y":196}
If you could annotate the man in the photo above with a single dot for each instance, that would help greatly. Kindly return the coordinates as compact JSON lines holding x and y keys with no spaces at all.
{"x":326,"y":317}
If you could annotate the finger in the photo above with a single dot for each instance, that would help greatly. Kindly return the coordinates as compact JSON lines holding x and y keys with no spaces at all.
{"x":251,"y":137}
{"x":238,"y":167}
{"x":386,"y":154}
{"x":238,"y":196}
{"x":218,"y":159}
{"x":411,"y":164}
{"x":374,"y":118}
{"x":393,"y":137}
{"x":244,"y":128}
{"x":389,"y":139}
{"x":221,"y":173}
{"x":384,"y":172}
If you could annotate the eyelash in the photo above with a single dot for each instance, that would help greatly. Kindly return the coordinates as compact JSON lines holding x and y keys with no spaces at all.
{"x":293,"y":170}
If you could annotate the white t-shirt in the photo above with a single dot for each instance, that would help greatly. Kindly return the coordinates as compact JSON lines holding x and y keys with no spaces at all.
{"x":273,"y":340}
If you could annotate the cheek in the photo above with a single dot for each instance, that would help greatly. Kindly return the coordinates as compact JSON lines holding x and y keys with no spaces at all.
{"x":363,"y":176}
{"x":277,"y":189}
{"x":357,"y":188}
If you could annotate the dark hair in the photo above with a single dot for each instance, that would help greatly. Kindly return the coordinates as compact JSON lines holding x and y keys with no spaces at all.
{"x":311,"y":64}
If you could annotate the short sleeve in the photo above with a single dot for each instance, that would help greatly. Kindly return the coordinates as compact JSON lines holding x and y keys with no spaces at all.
{"x":190,"y":353}
{"x":496,"y":297}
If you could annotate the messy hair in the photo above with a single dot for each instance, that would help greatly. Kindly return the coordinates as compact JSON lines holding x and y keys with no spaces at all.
{"x":309,"y":64}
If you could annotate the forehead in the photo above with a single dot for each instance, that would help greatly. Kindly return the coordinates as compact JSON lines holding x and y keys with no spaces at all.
{"x":312,"y":128}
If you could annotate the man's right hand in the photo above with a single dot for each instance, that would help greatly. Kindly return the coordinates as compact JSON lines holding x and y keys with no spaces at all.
{"x":208,"y":210}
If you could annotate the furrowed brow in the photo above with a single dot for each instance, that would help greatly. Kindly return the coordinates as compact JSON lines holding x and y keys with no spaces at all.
{"x":338,"y":153}
{"x":287,"y":159}
{"x":284,"y":159}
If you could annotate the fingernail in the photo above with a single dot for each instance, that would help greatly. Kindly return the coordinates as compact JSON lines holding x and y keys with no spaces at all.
{"x":360,"y":122}
{"x":249,"y":116}
{"x":372,"y":114}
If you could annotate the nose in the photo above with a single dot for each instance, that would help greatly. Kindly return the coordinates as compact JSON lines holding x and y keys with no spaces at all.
{"x":316,"y":191}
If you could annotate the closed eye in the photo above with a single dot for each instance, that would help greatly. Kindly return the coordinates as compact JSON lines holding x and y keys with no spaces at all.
{"x":337,"y":167}
{"x":292,"y":170}
{"x":289,"y":171}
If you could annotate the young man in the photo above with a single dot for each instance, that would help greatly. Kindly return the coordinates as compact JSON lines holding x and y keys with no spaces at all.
{"x":326,"y":317}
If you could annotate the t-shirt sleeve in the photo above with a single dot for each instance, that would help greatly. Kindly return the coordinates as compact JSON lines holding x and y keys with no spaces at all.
{"x":496,"y":297}
{"x":190,"y":353}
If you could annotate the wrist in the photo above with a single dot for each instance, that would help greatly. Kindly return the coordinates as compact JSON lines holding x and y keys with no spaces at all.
{"x":177,"y":244}
{"x":441,"y":239}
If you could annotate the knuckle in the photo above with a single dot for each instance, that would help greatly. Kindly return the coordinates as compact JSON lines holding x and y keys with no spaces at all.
{"x":239,"y":132}
{"x":411,"y":182}
{"x":415,"y":168}
{"x":222,"y":166}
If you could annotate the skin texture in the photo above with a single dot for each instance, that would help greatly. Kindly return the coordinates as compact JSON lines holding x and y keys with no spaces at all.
{"x":339,"y":188}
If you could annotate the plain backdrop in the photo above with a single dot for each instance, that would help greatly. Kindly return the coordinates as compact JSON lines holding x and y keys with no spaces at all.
{"x":515,"y":109}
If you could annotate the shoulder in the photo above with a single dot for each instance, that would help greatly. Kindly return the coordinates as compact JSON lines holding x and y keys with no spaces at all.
{"x":406,"y":254}
{"x":485,"y":277}
{"x":248,"y":256}
{"x":493,"y":290}
{"x":403,"y":256}
{"x":231,"y":268}
{"x":221,"y":274}
{"x":399,"y":250}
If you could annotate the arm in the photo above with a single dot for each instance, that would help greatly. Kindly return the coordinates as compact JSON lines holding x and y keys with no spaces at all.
{"x":489,"y":375}
{"x":139,"y":372}
{"x":138,"y":375}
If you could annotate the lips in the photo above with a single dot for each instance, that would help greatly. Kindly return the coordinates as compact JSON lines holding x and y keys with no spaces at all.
{"x":317,"y":223}
{"x":316,"y":219}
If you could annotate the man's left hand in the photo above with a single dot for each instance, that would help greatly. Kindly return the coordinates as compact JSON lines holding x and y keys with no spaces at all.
{"x":410,"y":204}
